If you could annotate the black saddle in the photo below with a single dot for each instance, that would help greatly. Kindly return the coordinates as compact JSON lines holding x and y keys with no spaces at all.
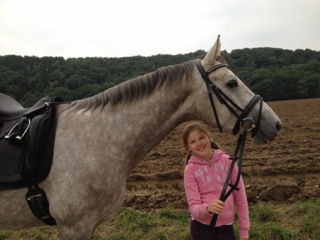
{"x":11,"y":109}
{"x":26,"y":149}
{"x":26,"y":142}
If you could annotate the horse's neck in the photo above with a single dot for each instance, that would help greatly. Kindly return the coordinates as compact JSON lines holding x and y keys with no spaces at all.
{"x":128,"y":131}
{"x":140,"y":126}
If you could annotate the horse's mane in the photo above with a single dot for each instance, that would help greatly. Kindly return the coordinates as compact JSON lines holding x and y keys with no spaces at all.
{"x":136,"y":88}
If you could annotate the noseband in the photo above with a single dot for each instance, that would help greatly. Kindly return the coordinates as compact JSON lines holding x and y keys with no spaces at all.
{"x":232,"y":106}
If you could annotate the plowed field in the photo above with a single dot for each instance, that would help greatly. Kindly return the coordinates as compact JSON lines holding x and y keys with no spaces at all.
{"x":285,"y":170}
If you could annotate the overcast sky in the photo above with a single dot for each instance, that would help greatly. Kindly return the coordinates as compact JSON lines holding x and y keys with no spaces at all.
{"x":118,"y":28}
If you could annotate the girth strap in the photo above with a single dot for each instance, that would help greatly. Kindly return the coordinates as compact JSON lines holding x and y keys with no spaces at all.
{"x":39,"y":204}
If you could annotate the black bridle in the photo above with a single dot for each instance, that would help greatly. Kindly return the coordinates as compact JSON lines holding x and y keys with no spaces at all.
{"x":247,"y":124}
{"x":224,"y":99}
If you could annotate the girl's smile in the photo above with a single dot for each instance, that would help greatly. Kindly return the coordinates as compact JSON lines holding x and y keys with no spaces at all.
{"x":199,"y":144}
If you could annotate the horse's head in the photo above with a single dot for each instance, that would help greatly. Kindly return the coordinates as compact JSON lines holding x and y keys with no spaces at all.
{"x":234,"y":105}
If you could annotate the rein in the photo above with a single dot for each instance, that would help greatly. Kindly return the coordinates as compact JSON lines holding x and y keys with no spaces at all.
{"x":247,"y":124}
{"x":238,"y":155}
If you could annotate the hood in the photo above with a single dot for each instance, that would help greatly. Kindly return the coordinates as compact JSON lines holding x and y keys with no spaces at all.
{"x":217,"y":154}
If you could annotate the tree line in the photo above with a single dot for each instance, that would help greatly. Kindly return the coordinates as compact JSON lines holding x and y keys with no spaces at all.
{"x":273,"y":73}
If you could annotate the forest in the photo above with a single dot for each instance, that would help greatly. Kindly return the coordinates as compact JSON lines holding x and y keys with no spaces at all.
{"x":273,"y":73}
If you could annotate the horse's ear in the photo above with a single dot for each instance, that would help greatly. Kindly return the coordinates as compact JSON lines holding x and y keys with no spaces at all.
{"x":213,"y":54}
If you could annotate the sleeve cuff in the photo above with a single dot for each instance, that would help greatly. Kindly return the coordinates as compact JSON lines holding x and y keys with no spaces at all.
{"x":244,"y":233}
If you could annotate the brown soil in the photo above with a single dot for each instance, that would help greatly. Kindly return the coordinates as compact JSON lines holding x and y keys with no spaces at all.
{"x":285,"y":170}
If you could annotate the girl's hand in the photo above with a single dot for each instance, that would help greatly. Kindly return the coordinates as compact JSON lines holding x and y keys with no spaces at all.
{"x":216,"y":206}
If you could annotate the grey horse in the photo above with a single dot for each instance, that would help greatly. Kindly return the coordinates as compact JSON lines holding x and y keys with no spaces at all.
{"x":99,"y":140}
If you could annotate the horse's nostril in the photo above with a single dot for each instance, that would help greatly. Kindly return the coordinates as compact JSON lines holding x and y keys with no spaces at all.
{"x":278,"y":126}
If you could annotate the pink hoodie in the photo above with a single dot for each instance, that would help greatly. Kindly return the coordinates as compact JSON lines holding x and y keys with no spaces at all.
{"x":203,"y":182}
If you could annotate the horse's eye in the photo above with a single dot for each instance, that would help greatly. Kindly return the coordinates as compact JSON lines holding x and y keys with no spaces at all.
{"x":232,"y":83}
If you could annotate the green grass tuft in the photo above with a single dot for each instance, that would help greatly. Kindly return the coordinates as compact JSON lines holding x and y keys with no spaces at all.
{"x":296,"y":221}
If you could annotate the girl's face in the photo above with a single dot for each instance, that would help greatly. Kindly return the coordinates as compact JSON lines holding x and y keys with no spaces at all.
{"x":199,"y":144}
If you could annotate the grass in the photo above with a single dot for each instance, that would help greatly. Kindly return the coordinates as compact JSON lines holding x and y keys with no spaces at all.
{"x":163,"y":224}
{"x":297,"y":221}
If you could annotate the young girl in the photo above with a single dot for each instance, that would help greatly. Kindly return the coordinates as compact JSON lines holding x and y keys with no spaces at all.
{"x":204,"y":176}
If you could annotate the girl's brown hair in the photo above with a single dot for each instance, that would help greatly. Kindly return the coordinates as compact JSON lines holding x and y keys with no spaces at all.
{"x":191,"y":127}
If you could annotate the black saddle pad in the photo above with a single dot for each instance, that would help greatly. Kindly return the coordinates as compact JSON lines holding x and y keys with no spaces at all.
{"x":26,"y":161}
